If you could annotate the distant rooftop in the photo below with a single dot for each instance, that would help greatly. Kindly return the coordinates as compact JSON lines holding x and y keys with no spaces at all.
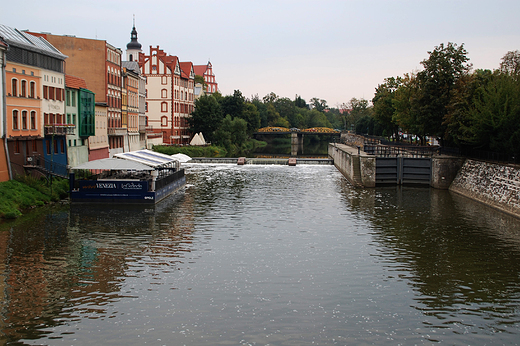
{"x":21,"y":39}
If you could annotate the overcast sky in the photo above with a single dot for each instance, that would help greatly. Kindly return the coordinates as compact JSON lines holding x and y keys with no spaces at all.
{"x":332,"y":50}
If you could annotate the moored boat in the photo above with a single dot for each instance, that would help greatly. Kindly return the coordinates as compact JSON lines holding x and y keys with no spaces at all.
{"x":142,"y":176}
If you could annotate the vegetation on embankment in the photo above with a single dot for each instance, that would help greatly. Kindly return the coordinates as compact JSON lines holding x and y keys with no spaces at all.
{"x":248,"y":147}
{"x":28,"y":192}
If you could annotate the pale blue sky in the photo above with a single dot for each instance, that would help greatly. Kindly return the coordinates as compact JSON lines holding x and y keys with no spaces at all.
{"x":333,"y":50}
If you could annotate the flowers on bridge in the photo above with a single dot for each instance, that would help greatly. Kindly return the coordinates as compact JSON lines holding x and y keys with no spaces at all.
{"x":312,"y":129}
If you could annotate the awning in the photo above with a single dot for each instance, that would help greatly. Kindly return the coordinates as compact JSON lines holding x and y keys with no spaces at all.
{"x":114,"y":164}
{"x":149,"y":157}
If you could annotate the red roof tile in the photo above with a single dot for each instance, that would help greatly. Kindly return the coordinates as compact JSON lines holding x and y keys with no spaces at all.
{"x":200,"y":69}
{"x":186,"y":68}
{"x":75,"y":82}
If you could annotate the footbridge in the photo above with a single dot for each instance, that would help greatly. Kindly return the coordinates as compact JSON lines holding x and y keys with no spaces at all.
{"x":297,"y":135}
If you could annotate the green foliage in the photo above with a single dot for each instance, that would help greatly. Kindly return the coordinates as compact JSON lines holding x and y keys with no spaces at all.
{"x":206,"y":117}
{"x":384,"y":108}
{"x":494,"y":115}
{"x":443,"y":68}
{"x":28,"y":192}
{"x":192,"y":151}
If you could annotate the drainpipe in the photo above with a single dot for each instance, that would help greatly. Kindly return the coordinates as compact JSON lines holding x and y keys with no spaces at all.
{"x":4,"y":114}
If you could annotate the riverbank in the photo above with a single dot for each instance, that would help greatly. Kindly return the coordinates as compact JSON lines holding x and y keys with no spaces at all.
{"x":495,"y":185}
{"x":17,"y":196}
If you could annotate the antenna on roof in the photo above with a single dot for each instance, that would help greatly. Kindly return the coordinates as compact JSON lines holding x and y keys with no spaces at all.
{"x":134,"y":20}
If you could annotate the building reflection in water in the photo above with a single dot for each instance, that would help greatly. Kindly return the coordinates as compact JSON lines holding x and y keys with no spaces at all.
{"x":72,"y":263}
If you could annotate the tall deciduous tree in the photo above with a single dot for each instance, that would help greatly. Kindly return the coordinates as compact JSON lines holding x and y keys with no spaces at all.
{"x":206,"y":117}
{"x":442,"y":69}
{"x":384,"y":108}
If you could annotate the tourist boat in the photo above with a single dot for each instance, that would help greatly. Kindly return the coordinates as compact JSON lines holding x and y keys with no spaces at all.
{"x":142,"y":176}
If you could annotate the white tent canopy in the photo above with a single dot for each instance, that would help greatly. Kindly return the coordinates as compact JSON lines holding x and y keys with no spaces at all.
{"x":181,"y":157}
{"x":114,"y":164}
{"x":149,"y":157}
{"x":198,"y":139}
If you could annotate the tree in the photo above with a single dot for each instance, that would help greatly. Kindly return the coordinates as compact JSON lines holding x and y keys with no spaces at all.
{"x":442,"y":69}
{"x":232,"y":133}
{"x":252,"y":117}
{"x":384,"y":106}
{"x":285,"y":107}
{"x":318,"y":119}
{"x":200,"y":79}
{"x":300,"y":103}
{"x":233,"y":105}
{"x":494,"y":115}
{"x":318,"y":104}
{"x":270,"y":98}
{"x":358,"y":108}
{"x":511,"y":63}
{"x":406,"y":107}
{"x":206,"y":117}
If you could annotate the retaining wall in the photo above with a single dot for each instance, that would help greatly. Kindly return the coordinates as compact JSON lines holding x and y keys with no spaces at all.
{"x":495,"y":185}
{"x":360,"y":168}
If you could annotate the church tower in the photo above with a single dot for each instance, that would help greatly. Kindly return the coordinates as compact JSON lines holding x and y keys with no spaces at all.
{"x":133,"y":48}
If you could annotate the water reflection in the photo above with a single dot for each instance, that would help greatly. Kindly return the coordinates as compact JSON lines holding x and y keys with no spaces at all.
{"x":71,"y":265}
{"x":265,"y":255}
{"x":461,"y":258}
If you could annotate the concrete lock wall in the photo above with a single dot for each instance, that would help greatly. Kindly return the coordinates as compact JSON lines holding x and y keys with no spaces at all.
{"x":360,"y":168}
{"x":495,"y":185}
{"x":356,"y":166}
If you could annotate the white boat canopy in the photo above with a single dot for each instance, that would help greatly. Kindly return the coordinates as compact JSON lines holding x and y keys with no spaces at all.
{"x":114,"y":164}
{"x":150,"y":158}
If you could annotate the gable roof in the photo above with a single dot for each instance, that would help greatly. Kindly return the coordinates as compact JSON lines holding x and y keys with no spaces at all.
{"x":75,"y":82}
{"x":21,"y":39}
{"x":200,"y":69}
{"x":187,"y":69}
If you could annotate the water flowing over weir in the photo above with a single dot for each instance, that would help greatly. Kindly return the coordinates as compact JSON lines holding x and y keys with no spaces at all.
{"x":265,"y":255}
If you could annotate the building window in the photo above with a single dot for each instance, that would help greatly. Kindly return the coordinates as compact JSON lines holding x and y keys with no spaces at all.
{"x":17,"y":147}
{"x":164,"y":107}
{"x":33,"y":120}
{"x":15,"y":120}
{"x":45,"y":92}
{"x":68,"y":97}
{"x":164,"y":121}
{"x":24,"y":120}
{"x":164,"y":80}
{"x":164,"y":93}
{"x":23,"y":88}
{"x":32,"y":90}
{"x":34,"y":145}
{"x":14,"y":87}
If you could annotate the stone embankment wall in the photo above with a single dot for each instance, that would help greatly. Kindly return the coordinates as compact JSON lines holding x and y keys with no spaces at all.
{"x":358,"y":167}
{"x":492,"y":184}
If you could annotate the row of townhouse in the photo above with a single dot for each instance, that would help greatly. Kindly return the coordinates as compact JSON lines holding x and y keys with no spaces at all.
{"x":67,"y":100}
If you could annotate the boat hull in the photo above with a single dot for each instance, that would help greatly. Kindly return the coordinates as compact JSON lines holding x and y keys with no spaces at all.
{"x":124,"y":191}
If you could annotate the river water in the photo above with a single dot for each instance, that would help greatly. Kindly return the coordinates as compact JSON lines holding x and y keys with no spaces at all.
{"x":264,"y":255}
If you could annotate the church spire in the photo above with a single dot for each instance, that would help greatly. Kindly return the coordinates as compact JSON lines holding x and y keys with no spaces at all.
{"x":133,"y":48}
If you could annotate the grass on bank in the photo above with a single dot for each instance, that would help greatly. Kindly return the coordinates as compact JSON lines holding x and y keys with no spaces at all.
{"x":212,"y":151}
{"x":28,"y":192}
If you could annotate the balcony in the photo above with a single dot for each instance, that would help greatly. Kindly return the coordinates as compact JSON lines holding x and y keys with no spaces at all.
{"x":59,"y":129}
{"x":117,"y":131}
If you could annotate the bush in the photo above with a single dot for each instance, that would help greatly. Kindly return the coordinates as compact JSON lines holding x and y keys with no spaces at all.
{"x":192,"y":151}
